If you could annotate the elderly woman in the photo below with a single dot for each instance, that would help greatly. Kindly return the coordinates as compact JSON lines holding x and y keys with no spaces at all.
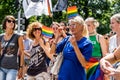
{"x":10,"y":44}
{"x":76,"y":50}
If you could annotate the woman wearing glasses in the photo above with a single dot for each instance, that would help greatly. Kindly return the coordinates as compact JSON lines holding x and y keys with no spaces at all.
{"x":10,"y":43}
{"x":77,"y":50}
{"x":38,"y":53}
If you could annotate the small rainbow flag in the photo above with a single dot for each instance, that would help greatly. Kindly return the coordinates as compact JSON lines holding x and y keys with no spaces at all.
{"x":72,"y":12}
{"x":47,"y":31}
{"x":94,"y":72}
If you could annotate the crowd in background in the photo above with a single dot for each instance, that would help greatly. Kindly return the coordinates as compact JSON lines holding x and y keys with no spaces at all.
{"x":85,"y":52}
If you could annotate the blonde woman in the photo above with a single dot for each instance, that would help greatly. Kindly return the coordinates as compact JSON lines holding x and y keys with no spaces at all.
{"x":76,"y":50}
{"x":115,"y":39}
{"x":100,"y":48}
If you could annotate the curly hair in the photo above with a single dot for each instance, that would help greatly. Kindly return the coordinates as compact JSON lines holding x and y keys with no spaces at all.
{"x":30,"y":29}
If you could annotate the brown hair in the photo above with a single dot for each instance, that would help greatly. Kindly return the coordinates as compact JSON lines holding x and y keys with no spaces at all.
{"x":30,"y":29}
{"x":5,"y":20}
{"x":55,"y":23}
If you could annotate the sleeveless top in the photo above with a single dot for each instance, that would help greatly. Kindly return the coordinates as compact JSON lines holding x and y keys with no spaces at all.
{"x":10,"y":58}
{"x":96,"y":47}
{"x":37,"y":61}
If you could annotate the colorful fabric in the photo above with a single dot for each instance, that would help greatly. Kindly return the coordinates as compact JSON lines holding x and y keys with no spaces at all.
{"x":71,"y":68}
{"x":94,"y":72}
{"x":47,"y":31}
{"x":93,"y":67}
{"x":72,"y":12}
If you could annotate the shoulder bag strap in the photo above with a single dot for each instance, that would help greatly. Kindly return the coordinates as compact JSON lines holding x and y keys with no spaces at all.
{"x":4,"y":51}
{"x":9,"y":42}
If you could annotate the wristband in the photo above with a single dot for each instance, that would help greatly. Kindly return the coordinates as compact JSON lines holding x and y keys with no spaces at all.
{"x":21,"y":66}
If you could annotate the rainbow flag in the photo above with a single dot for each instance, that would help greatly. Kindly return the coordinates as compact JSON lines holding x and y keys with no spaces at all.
{"x":72,"y":12}
{"x":47,"y":31}
{"x":94,"y":72}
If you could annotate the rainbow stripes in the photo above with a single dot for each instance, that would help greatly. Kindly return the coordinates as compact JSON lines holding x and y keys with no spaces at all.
{"x":94,"y":72}
{"x":47,"y":31}
{"x":72,"y":12}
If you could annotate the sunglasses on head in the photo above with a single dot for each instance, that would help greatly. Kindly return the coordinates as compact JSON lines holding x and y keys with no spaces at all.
{"x":9,"y":21}
{"x":35,"y":29}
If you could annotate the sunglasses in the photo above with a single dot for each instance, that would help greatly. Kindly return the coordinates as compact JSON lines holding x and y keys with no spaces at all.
{"x":10,"y":21}
{"x":35,"y":29}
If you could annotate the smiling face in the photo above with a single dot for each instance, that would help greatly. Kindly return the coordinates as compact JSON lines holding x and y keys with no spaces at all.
{"x":37,"y":31}
{"x":34,"y":30}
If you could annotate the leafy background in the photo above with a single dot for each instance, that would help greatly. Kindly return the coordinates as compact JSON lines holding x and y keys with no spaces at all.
{"x":101,"y":10}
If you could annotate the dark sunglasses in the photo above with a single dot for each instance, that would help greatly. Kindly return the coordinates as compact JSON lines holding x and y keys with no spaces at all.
{"x":35,"y":29}
{"x":9,"y":21}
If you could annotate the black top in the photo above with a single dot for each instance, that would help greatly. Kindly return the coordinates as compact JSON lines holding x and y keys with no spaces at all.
{"x":37,"y":61}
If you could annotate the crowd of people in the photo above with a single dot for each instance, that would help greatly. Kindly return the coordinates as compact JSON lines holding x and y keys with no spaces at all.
{"x":87,"y":55}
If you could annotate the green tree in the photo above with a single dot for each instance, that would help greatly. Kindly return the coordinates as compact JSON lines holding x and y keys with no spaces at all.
{"x":7,"y":7}
{"x":101,"y":10}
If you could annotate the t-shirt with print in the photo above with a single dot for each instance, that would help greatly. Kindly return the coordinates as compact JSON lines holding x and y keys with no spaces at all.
{"x":37,"y":61}
{"x":10,"y":58}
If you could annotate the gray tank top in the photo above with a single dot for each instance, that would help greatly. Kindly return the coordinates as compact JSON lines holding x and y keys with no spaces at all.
{"x":10,"y":58}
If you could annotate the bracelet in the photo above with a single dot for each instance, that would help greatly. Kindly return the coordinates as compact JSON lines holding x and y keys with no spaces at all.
{"x":21,"y":66}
